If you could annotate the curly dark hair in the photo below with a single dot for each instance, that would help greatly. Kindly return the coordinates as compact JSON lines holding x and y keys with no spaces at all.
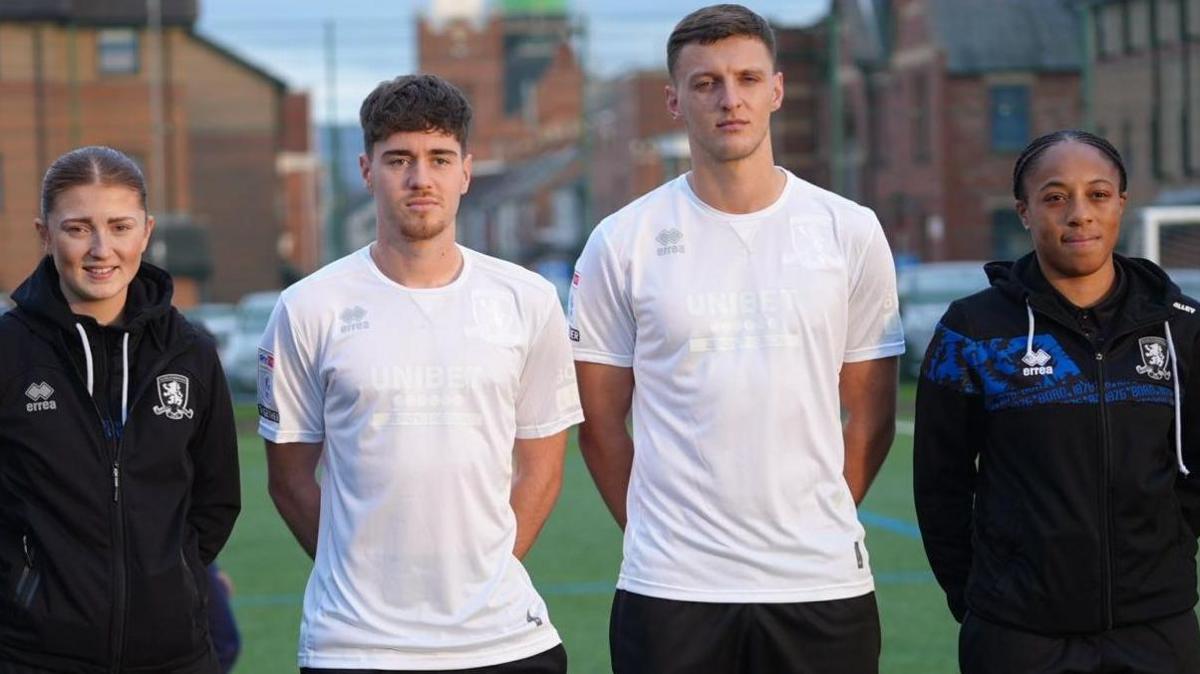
{"x":414,"y":103}
{"x":717,"y":22}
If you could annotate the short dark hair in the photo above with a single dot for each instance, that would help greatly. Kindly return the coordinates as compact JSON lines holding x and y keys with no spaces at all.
{"x":1039,"y":145}
{"x":91,"y":165}
{"x":717,"y":22}
{"x":414,"y":103}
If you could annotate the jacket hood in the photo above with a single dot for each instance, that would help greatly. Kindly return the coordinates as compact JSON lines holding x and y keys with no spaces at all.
{"x":1151,"y":292}
{"x":147,"y":304}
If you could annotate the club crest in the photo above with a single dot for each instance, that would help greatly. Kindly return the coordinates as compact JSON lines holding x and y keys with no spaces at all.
{"x":1156,"y":358}
{"x":495,"y":315}
{"x":173,"y":397}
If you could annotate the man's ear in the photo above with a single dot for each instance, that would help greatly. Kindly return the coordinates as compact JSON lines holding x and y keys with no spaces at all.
{"x":364,"y":169}
{"x":672,"y":101}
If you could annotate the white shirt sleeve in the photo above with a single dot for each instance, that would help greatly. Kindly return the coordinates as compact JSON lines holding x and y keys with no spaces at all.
{"x":599,"y":312}
{"x":873,"y":327}
{"x":290,"y":396}
{"x":547,"y":397}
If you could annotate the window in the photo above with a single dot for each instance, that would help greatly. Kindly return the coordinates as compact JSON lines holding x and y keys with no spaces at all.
{"x":1140,"y":26}
{"x":1009,"y":112}
{"x":1126,"y":29}
{"x":1009,"y":238}
{"x":118,"y":51}
{"x":1166,"y":22}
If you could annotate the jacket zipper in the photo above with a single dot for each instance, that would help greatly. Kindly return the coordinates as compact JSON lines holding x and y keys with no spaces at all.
{"x":27,"y":584}
{"x":119,"y":571}
{"x":115,"y":444}
{"x":119,"y":608}
{"x":1106,"y":525}
{"x":1105,"y":455}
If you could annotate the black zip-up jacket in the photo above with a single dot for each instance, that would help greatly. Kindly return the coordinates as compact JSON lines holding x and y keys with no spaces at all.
{"x":106,"y":524}
{"x":1049,"y":482}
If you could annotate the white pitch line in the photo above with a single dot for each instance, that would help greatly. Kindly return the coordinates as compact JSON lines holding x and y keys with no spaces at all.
{"x":904,"y":426}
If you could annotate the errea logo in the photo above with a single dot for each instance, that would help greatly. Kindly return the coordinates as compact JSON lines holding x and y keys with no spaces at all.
{"x":669,"y":242}
{"x":353,"y":318}
{"x":1037,"y":363}
{"x":39,"y":393}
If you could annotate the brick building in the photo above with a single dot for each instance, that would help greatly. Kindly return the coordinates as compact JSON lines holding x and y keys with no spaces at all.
{"x":796,"y":128}
{"x":939,"y":98}
{"x":79,"y":73}
{"x":630,"y":140}
{"x":518,"y":68}
{"x":1144,"y":67}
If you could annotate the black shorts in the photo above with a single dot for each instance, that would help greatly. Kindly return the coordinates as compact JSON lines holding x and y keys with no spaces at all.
{"x":553,"y":661}
{"x":661,"y":636}
{"x":1165,"y":646}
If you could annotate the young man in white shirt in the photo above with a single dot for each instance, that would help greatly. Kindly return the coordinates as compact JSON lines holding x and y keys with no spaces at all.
{"x":739,"y":312}
{"x":433,"y":387}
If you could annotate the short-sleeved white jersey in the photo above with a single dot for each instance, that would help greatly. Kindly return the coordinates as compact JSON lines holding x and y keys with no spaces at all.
{"x":418,"y":395}
{"x":736,"y":327}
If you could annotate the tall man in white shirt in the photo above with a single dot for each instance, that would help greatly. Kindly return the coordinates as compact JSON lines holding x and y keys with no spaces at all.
{"x":740,"y":312}
{"x":433,"y":386}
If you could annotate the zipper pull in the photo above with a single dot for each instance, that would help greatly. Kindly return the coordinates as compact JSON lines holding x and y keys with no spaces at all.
{"x":28,"y":553}
{"x":1099,"y":356}
{"x":116,"y":473}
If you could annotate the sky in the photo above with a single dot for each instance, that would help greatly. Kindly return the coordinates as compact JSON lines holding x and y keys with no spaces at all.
{"x":376,"y":40}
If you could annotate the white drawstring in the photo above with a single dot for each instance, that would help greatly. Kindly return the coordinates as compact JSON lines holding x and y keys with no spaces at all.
{"x":124,"y":379}
{"x":1178,"y":404}
{"x":1029,"y":341}
{"x":87,"y":355}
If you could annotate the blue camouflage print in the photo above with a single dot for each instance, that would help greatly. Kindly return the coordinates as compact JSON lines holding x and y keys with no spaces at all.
{"x":994,"y":369}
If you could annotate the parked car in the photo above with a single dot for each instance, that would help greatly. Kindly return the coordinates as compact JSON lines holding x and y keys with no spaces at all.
{"x":926,"y":291}
{"x":1188,"y":280}
{"x":253,"y":313}
{"x":220,"y":320}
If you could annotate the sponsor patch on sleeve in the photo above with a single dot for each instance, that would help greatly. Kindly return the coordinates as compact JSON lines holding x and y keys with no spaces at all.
{"x":266,"y":386}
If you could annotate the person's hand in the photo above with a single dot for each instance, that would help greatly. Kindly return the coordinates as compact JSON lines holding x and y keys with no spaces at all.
{"x":226,"y":582}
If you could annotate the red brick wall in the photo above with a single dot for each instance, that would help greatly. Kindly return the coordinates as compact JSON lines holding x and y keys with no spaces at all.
{"x":978,"y":180}
{"x":236,"y":191}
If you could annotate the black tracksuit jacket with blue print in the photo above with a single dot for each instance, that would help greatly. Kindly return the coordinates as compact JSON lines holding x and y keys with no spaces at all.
{"x":105,"y":529}
{"x":1048,"y":487}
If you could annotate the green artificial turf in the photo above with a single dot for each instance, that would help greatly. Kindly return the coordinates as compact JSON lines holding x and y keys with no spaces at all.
{"x":575,"y":563}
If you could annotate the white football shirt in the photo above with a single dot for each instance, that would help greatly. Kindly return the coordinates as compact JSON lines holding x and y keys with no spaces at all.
{"x":736,"y":327}
{"x":418,"y":395}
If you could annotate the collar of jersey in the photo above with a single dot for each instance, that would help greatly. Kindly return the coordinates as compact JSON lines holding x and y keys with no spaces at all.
{"x":365,"y":252}
{"x":734,"y":218}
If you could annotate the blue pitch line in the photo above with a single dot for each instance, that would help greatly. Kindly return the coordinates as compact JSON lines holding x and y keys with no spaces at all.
{"x":896,"y":526}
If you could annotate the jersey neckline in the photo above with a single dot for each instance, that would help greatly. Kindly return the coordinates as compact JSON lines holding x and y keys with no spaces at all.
{"x":733,"y":218}
{"x":461,"y":279}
